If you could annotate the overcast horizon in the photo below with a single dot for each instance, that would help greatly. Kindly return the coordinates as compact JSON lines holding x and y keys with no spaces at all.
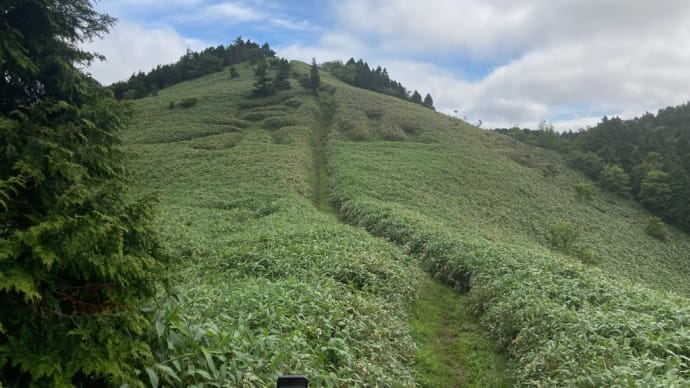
{"x":502,"y":62}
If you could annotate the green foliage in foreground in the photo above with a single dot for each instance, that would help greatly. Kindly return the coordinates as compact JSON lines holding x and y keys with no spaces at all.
{"x":266,"y":284}
{"x":287,"y":297}
{"x":76,"y":257}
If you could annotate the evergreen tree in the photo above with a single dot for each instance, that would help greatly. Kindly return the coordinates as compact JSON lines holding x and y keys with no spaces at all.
{"x":314,"y":80}
{"x":281,"y":81}
{"x":263,"y":85}
{"x":428,"y":101}
{"x":233,"y":72}
{"x":614,"y":178}
{"x":75,"y":257}
{"x":416,"y":98}
{"x":656,"y":192}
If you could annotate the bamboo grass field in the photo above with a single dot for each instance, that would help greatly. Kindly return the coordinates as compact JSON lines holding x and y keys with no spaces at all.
{"x":301,"y":228}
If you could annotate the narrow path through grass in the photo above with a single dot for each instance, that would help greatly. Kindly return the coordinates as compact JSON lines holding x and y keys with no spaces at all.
{"x":452,"y":351}
{"x":319,"y":141}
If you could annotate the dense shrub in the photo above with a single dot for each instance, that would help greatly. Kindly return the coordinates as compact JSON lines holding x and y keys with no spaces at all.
{"x":354,"y":130}
{"x":374,"y":113}
{"x":410,"y":128}
{"x":77,"y":254}
{"x":393,"y":133}
{"x":188,"y":102}
{"x":563,"y":236}
{"x":584,"y":191}
{"x":550,"y":171}
{"x":184,"y":104}
{"x":330,"y":89}
{"x":656,"y":228}
{"x":615,"y":179}
{"x":229,"y":121}
{"x":277,"y":122}
{"x":588,"y":162}
{"x":293,"y":103}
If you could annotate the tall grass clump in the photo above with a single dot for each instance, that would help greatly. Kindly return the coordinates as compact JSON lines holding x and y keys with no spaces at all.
{"x":655,"y":228}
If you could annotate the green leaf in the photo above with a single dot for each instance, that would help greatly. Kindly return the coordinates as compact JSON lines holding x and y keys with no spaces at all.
{"x":209,"y":361}
{"x":153,"y":377}
{"x":160,"y":328}
{"x":169,"y":371}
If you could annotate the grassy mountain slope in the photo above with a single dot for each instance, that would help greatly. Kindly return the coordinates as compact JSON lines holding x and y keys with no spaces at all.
{"x":270,"y":284}
{"x":484,"y":184}
{"x":476,"y":207}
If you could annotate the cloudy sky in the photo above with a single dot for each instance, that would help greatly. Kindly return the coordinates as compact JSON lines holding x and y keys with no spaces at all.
{"x":503,"y":62}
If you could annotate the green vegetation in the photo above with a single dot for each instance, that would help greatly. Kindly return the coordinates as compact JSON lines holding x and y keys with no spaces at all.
{"x":584,"y":191}
{"x":614,"y":179}
{"x":263,"y":85}
{"x":655,"y":228}
{"x":565,"y":237}
{"x":184,"y":104}
{"x":76,"y":256}
{"x":233,"y":72}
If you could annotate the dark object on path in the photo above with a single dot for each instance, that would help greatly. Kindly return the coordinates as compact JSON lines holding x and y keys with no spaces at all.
{"x":292,"y":381}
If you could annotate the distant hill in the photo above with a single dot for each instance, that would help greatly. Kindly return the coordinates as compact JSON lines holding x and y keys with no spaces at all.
{"x":193,"y":65}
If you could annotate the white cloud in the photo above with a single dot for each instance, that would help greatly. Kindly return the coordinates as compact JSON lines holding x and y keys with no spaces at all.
{"x":499,"y":27}
{"x":565,"y":61}
{"x":571,"y":85}
{"x":235,"y":13}
{"x":130,"y":48}
{"x":303,"y":25}
{"x":230,"y":12}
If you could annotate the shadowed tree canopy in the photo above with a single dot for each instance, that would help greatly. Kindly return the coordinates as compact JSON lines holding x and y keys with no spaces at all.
{"x":647,"y":157}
